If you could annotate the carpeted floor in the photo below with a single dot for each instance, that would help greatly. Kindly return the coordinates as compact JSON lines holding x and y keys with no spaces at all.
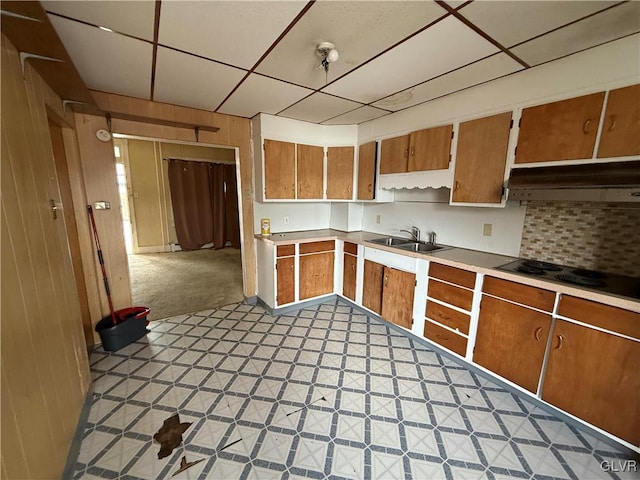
{"x":185,"y":282}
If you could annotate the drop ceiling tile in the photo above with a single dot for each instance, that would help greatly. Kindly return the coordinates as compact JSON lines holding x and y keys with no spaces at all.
{"x":262,"y":94}
{"x":359,"y":115}
{"x":133,"y":18}
{"x":319,"y":107}
{"x":493,"y":67}
{"x":358,"y":30}
{"x":234,"y":32}
{"x":447,"y":45}
{"x":191,"y":81}
{"x":513,"y":22}
{"x":615,"y":23}
{"x":107,"y":61}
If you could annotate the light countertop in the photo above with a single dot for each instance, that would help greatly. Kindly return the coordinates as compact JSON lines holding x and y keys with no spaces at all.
{"x":481,"y":262}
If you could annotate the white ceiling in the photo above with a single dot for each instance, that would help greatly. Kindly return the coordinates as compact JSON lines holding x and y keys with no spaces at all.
{"x":246,"y":57}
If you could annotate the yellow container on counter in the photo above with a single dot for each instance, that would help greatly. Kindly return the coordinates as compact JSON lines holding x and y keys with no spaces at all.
{"x":265,"y":226}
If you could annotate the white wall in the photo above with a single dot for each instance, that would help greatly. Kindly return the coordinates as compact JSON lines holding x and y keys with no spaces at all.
{"x":302,"y":216}
{"x":346,"y":216}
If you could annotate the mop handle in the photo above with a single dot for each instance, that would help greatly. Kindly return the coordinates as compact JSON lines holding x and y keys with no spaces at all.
{"x":101,"y":261}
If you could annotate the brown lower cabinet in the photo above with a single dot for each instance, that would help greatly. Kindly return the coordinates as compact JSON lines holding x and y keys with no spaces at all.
{"x":511,"y":341}
{"x":316,"y":274}
{"x":594,"y":376}
{"x":389,"y":292}
{"x":286,"y":274}
{"x":349,"y":276}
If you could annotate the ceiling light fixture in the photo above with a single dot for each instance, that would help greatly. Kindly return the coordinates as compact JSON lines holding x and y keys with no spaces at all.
{"x":327,"y":51}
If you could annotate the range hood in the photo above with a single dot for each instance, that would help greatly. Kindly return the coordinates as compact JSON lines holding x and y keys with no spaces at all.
{"x":596,"y":182}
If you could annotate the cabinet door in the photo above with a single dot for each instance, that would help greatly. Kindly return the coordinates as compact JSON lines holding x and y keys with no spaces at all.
{"x":340,"y":173}
{"x":316,"y":274}
{"x":366,"y":170}
{"x":394,"y":155}
{"x":372,"y":286}
{"x":310,"y":173}
{"x":621,"y":129}
{"x":511,"y":341}
{"x":279,"y":169}
{"x":349,"y":276}
{"x":429,"y":149}
{"x":481,"y":158}
{"x":285,"y":269}
{"x":594,"y":376}
{"x":564,"y":130}
{"x":397,"y":297}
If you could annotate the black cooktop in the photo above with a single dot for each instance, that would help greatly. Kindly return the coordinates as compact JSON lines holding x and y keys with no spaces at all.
{"x":576,"y":277}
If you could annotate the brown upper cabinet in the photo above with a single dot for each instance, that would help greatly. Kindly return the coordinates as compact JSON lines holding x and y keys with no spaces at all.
{"x":279,"y":169}
{"x":340,"y":173}
{"x":421,"y":150}
{"x":481,"y":159}
{"x":366,"y":170}
{"x":564,"y":130}
{"x":621,"y":130}
{"x":310,"y":171}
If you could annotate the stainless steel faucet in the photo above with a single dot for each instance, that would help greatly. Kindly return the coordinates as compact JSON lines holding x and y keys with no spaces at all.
{"x":414,"y":232}
{"x":431,"y":238}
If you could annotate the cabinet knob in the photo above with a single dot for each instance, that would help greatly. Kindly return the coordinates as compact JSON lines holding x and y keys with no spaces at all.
{"x":413,"y":151}
{"x":613,"y":124}
{"x":386,"y":278}
{"x":456,"y":186}
{"x":369,"y":188}
{"x":406,"y":152}
{"x":585,"y":127}
{"x":536,"y":334}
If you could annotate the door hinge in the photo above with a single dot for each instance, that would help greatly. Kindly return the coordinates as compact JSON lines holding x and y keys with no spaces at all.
{"x":415,"y":283}
{"x":264,"y":147}
{"x":503,"y":190}
{"x":515,"y":152}
{"x":511,"y":125}
{"x":452,"y":135}
{"x":450,"y":157}
{"x":276,"y":266}
{"x":519,"y":122}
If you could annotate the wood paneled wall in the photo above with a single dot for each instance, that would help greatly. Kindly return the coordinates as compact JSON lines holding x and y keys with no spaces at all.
{"x":45,"y":372}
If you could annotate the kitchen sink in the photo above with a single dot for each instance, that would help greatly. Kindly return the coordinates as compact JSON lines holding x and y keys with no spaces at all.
{"x":390,"y":241}
{"x":419,"y":247}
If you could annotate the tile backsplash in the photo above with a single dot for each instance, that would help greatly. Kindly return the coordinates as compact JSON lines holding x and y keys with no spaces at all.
{"x":597,"y":236}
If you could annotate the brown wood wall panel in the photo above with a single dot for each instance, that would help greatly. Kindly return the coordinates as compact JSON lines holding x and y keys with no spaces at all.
{"x":286,"y":250}
{"x":450,"y":294}
{"x":314,"y":247}
{"x":516,"y":292}
{"x":45,"y":372}
{"x":461,"y":277}
{"x":454,"y":342}
{"x":599,"y":315}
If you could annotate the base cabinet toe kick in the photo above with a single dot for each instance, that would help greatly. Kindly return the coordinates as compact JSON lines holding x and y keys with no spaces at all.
{"x":577,"y":355}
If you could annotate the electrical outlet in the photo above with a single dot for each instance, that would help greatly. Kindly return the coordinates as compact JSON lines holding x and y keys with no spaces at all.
{"x":378,"y":218}
{"x":486,"y":229}
{"x":285,"y":219}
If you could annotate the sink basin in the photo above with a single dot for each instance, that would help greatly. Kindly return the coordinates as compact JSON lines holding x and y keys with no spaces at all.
{"x":390,"y":241}
{"x":419,"y":247}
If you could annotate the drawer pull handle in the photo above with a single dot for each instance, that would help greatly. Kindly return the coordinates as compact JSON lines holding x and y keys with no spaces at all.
{"x":585,"y":127}
{"x":537,"y":333}
{"x":369,"y":188}
{"x":560,"y":342}
{"x":442,"y":338}
{"x":613,"y":123}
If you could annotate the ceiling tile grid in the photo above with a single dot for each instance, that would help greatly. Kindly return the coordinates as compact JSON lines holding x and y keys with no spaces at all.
{"x":393,"y":54}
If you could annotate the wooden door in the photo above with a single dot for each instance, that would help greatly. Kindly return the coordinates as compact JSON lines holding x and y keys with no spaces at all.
{"x":511,"y":341}
{"x":594,"y":376}
{"x":366,"y":170}
{"x":285,"y":269}
{"x":394,"y":155}
{"x":279,"y":169}
{"x":621,"y":129}
{"x":316,"y":274}
{"x":310,"y":171}
{"x":430,"y":149}
{"x":349,"y":276}
{"x":340,"y":173}
{"x":397,"y":296}
{"x":372,"y":286}
{"x":564,"y":130}
{"x":481,"y":159}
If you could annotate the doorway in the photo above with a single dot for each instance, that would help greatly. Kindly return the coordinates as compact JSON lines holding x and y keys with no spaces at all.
{"x":164,"y":276}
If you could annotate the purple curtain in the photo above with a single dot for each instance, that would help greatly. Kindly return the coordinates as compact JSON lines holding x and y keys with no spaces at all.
{"x":205,"y":204}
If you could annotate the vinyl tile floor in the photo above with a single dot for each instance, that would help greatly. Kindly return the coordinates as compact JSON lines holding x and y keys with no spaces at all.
{"x":325,"y":392}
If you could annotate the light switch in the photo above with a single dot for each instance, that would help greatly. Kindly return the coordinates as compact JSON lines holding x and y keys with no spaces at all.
{"x":103,"y":205}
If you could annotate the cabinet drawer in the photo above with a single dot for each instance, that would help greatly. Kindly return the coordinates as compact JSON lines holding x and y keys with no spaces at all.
{"x":401,"y":262}
{"x":286,"y":250}
{"x":457,"y":296}
{"x":448,"y":316}
{"x":351,"y":248}
{"x":454,"y":342}
{"x":455,"y":275}
{"x":516,"y":292}
{"x":314,"y":247}
{"x":615,"y":319}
